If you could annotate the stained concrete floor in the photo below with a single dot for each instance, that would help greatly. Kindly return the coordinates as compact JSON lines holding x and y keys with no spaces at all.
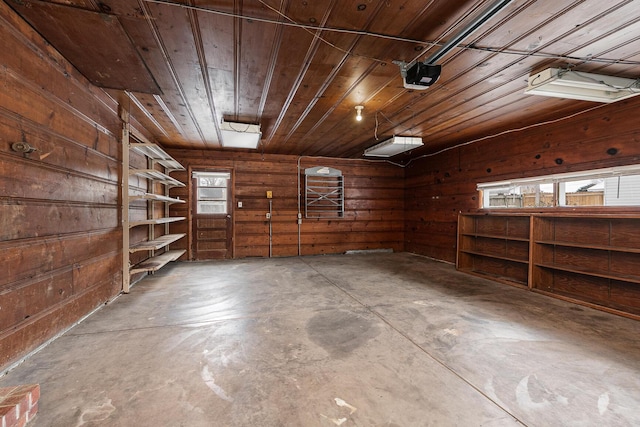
{"x":351,"y":340}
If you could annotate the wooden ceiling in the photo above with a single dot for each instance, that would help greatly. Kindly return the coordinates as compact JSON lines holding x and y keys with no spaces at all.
{"x":299,"y":67}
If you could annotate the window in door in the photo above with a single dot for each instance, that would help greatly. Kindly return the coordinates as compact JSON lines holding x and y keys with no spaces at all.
{"x":212,"y":192}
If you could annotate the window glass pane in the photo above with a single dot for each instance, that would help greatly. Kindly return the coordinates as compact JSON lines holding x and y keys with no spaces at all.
{"x":212,"y":182}
{"x":583,"y":192}
{"x":209,"y":207}
{"x":622,"y":191}
{"x":212,"y":194}
{"x":537,"y":195}
{"x":507,"y":197}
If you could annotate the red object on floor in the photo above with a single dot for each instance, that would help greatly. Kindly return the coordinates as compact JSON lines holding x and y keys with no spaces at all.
{"x":18,"y":405}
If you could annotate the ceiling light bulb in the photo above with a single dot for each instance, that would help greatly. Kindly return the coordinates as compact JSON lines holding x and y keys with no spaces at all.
{"x":359,"y":112}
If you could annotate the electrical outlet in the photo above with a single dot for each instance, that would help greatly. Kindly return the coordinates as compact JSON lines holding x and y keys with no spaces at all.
{"x":239,"y":204}
{"x":268,"y":215}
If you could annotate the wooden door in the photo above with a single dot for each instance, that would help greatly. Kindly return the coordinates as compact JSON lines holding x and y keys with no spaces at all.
{"x":212,"y":222}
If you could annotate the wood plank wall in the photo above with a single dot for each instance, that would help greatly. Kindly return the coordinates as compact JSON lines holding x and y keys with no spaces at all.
{"x":374,"y":204}
{"x":60,"y":234}
{"x":439,"y":187}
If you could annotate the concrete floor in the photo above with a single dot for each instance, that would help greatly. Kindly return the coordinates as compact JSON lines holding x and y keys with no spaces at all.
{"x":351,"y":340}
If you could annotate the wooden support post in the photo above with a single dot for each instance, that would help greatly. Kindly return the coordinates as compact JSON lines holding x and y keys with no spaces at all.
{"x":126,"y":277}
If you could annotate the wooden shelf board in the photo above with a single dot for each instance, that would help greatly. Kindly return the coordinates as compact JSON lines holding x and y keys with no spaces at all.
{"x":502,"y":257}
{"x":586,"y":215}
{"x":157,"y":197}
{"x":600,"y":307}
{"x":498,"y":212}
{"x":492,"y":236}
{"x":159,"y":243}
{"x":603,"y":275}
{"x":156,"y":176}
{"x":156,"y":221}
{"x":157,"y":262}
{"x":589,"y":246}
{"x":506,"y":280}
{"x":154,"y":152}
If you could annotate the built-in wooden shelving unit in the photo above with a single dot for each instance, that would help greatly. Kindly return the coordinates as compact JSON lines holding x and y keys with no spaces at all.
{"x":594,"y":258}
{"x":588,"y":259}
{"x":154,"y":260}
{"x":495,"y":246}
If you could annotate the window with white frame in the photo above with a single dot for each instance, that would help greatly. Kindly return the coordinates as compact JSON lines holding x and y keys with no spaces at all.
{"x":600,"y":187}
{"x":212,"y":192}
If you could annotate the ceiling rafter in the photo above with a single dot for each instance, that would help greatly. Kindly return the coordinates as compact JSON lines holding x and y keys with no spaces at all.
{"x":172,"y":71}
{"x":204,"y":68}
{"x":146,"y":113}
{"x":237,"y":56}
{"x":313,"y":47}
{"x":272,"y":62}
{"x":331,"y":77}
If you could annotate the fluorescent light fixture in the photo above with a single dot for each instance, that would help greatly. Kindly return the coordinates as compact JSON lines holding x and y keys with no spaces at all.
{"x":240,"y":135}
{"x":393,"y":146}
{"x":562,"y":83}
